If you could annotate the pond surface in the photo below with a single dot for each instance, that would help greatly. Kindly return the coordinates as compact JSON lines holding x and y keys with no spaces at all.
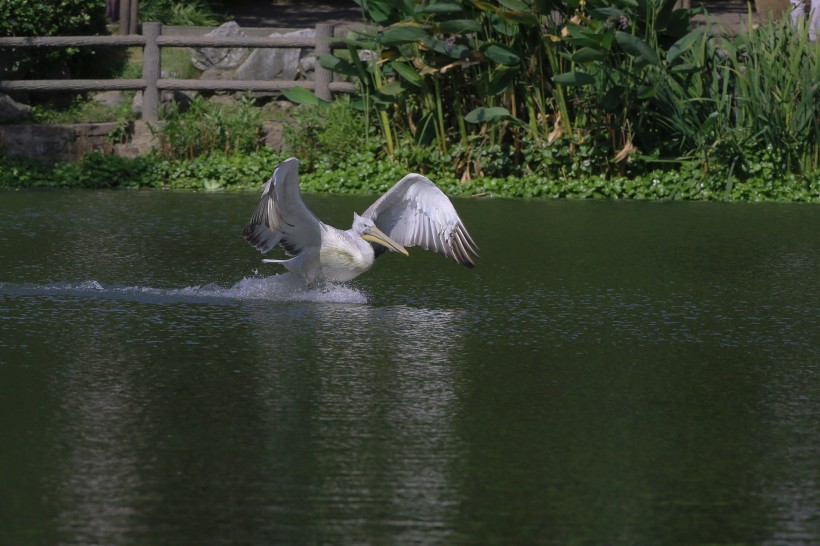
{"x":610,"y":373}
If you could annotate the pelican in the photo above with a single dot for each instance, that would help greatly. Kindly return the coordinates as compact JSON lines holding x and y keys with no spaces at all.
{"x":414,"y":212}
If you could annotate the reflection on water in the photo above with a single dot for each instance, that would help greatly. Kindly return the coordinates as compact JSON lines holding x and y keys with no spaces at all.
{"x":377,"y":412}
{"x":627,"y":375}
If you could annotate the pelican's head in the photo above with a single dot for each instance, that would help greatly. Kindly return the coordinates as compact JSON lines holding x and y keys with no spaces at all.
{"x":367,"y":230}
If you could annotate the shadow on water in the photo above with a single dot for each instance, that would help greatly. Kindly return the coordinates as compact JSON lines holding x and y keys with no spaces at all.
{"x":621,"y":373}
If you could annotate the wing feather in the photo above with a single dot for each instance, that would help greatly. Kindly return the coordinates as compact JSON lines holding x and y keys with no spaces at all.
{"x":415,"y":212}
{"x":281,"y":217}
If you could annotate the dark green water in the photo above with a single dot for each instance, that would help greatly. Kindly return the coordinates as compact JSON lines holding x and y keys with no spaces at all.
{"x":611,"y":373}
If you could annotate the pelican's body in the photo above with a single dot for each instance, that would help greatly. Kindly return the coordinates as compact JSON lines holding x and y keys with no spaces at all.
{"x":341,"y":256}
{"x":413,"y":212}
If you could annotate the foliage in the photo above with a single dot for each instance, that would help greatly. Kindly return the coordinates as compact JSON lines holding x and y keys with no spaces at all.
{"x":55,"y":18}
{"x":209,"y":127}
{"x":620,"y":87}
{"x":81,"y":110}
{"x":188,"y":13}
{"x":331,"y":130}
{"x":364,"y":173}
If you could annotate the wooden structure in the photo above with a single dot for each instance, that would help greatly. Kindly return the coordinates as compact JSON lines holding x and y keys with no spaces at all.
{"x":151,"y":84}
{"x":128,"y":16}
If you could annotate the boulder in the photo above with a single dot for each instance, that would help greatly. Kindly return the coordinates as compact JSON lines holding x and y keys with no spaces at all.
{"x":111,"y":99}
{"x":279,"y":63}
{"x":12,"y":111}
{"x":183,"y":99}
{"x":223,"y":58}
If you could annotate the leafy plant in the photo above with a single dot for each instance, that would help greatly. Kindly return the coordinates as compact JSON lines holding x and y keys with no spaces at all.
{"x":365,"y":173}
{"x":624,"y":86}
{"x":208,"y":127}
{"x":188,"y":13}
{"x":332,"y":130}
{"x":55,"y":18}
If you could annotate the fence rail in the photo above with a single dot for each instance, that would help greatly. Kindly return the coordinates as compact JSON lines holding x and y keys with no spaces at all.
{"x":151,"y":84}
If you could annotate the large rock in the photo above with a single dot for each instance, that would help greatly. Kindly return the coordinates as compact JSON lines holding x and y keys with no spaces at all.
{"x":12,"y":111}
{"x":183,"y":98}
{"x":223,"y":58}
{"x":279,"y":63}
{"x":51,"y":143}
{"x":111,"y":99}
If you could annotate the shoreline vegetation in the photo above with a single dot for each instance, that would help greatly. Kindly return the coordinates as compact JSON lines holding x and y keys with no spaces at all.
{"x":366,"y":174}
{"x":613,"y":100}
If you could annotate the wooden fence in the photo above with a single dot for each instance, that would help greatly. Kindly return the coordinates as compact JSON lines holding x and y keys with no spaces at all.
{"x":151,"y":84}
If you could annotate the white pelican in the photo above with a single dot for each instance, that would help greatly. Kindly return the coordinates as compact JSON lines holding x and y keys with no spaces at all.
{"x":414,"y":212}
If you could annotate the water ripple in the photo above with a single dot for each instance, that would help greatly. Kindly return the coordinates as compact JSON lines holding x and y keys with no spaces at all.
{"x":279,"y":288}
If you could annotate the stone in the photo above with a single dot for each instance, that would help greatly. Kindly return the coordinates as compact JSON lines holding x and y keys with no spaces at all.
{"x":279,"y":63}
{"x":223,"y":58}
{"x":12,"y":111}
{"x":51,"y":143}
{"x":111,"y":99}
{"x":181,"y":97}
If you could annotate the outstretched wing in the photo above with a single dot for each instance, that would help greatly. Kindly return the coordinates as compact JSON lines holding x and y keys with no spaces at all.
{"x":415,"y":212}
{"x":281,"y":217}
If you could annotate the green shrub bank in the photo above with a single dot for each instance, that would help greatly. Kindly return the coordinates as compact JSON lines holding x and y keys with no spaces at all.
{"x":365,"y":173}
{"x":623,"y":86}
{"x":55,"y":18}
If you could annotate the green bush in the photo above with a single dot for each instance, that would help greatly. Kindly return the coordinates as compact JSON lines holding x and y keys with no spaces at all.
{"x":208,"y":127}
{"x":366,"y":173}
{"x":54,"y":18}
{"x":618,"y":88}
{"x":170,"y":12}
{"x":332,"y":131}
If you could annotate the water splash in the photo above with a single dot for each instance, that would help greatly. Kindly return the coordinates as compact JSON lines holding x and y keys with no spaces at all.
{"x":279,"y":288}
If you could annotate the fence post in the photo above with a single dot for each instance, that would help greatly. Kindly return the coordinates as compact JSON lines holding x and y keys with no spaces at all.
{"x":124,"y":15}
{"x":321,"y":75}
{"x":151,"y":66}
{"x":133,"y":18}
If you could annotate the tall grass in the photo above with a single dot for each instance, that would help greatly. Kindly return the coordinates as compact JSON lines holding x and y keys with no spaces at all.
{"x":611,"y":87}
{"x":775,"y":71}
{"x":208,"y":127}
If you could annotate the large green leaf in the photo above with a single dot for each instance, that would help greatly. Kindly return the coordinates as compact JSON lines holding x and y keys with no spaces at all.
{"x":505,"y":28}
{"x":517,"y":5}
{"x":378,"y":12}
{"x":588,"y":54}
{"x":637,"y":48}
{"x":502,"y":54}
{"x":459,"y":26}
{"x":340,"y":66}
{"x":392,"y":89}
{"x":685,"y":68}
{"x":584,"y":37}
{"x":442,"y":7}
{"x":647,"y":92}
{"x":300,"y":95}
{"x":518,"y":17}
{"x":407,"y":72}
{"x":575,"y":78}
{"x":402,"y":35}
{"x":684,"y":44}
{"x":488,"y":115}
{"x":456,"y":51}
{"x":606,"y":13}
